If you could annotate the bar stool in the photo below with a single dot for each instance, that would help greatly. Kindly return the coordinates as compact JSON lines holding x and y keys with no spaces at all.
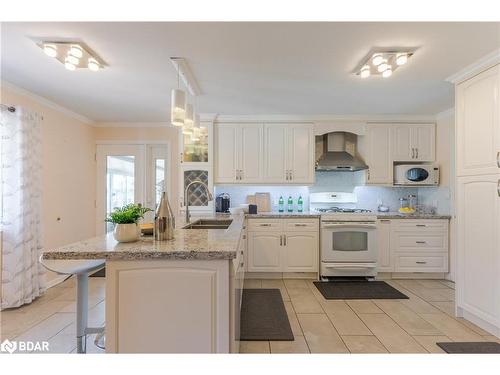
{"x":82,"y":269}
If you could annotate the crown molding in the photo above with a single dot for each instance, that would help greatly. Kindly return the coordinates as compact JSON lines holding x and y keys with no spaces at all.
{"x":133,"y":124}
{"x":475,"y":68}
{"x":323,"y":118}
{"x":446,"y":113}
{"x":46,"y":102}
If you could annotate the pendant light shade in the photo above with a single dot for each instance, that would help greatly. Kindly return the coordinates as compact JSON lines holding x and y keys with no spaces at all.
{"x":178,"y":107}
{"x":189,"y":117}
{"x":196,"y":123}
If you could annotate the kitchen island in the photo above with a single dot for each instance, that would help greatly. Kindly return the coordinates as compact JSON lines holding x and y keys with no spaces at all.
{"x":177,"y":296}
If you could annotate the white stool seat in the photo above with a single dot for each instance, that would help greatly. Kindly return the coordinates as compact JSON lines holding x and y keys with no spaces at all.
{"x":82,"y":269}
{"x":72,"y":267}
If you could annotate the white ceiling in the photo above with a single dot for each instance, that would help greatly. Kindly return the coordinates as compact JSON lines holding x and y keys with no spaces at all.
{"x":246,"y":68}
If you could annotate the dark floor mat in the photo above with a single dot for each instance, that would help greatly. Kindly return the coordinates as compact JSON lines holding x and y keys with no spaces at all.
{"x":485,"y":347}
{"x":358,"y":290}
{"x":263,"y":316}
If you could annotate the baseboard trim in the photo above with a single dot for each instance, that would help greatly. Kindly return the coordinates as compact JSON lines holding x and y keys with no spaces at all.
{"x":481,"y":323}
{"x":281,"y":275}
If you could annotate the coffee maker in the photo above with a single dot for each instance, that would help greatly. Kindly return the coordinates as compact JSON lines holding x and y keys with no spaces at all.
{"x":222,"y":203}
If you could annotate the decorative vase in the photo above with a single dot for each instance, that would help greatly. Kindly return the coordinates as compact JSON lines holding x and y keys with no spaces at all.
{"x":126,"y":232}
{"x":164,"y":220}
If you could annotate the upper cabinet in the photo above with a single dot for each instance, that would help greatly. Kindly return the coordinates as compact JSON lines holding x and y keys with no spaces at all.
{"x":379,"y":157}
{"x":478,"y":124}
{"x":413,"y":142}
{"x":264,"y":153}
{"x":239,"y":153}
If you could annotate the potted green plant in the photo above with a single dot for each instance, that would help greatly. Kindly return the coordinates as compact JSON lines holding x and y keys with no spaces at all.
{"x":126,"y":220}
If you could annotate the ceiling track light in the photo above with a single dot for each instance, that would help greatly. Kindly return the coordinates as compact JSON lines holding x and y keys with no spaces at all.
{"x":74,"y":55}
{"x":383,"y":62}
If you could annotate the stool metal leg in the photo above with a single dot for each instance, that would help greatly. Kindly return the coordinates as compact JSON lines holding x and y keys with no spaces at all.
{"x":82,"y":290}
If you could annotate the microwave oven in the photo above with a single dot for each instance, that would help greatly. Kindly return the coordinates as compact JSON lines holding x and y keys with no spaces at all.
{"x":416,"y":174}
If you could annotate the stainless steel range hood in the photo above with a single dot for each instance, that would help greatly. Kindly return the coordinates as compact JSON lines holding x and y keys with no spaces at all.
{"x":339,"y":153}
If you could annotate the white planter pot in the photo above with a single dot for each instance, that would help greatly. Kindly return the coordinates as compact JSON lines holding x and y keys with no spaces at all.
{"x":126,"y":232}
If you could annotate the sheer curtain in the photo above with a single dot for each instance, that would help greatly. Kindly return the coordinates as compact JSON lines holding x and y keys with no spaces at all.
{"x":20,"y":175}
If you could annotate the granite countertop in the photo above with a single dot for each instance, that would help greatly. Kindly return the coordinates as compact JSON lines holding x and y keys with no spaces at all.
{"x":188,"y":244}
{"x":283,"y":215}
{"x":397,"y":215}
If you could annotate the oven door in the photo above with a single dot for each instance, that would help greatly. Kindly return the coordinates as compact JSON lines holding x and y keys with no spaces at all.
{"x":348,"y":242}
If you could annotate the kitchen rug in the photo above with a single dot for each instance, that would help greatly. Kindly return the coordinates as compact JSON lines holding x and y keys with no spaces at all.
{"x":358,"y":290}
{"x":485,"y":347}
{"x":263,"y":316}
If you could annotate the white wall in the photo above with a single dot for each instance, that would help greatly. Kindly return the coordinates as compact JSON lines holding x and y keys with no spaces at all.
{"x":68,"y":175}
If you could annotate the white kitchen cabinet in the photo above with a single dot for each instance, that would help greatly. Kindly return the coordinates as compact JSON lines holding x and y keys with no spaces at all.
{"x":239,"y":153}
{"x":413,"y":142}
{"x":384,"y":263}
{"x":477,"y":199}
{"x":283,"y":245}
{"x":478,"y":124}
{"x":300,"y":252}
{"x":379,"y":156}
{"x":264,"y":251}
{"x":275,"y":153}
{"x":419,"y":245}
{"x":300,"y":154}
{"x":478,"y":248}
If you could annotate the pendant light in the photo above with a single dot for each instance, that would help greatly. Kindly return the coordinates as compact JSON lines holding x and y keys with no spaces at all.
{"x":178,"y":105}
{"x":188,"y":120}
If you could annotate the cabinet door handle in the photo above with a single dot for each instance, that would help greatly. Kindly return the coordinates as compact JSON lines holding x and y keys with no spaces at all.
{"x":284,"y":240}
{"x":420,"y":262}
{"x":412,"y":153}
{"x":498,"y":159}
{"x":421,"y":242}
{"x":421,"y":225}
{"x":291,"y":174}
{"x":281,"y":240}
{"x":385,"y":221}
{"x":301,"y":225}
{"x":241,"y":174}
{"x":416,"y":153}
{"x":265,"y":225}
{"x":498,"y":187}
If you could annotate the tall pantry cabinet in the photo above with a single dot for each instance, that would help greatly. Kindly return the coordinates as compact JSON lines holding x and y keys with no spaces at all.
{"x":478,"y":199}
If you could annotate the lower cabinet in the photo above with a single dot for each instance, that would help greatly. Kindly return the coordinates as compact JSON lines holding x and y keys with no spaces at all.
{"x":273,"y":248}
{"x":411,"y":245}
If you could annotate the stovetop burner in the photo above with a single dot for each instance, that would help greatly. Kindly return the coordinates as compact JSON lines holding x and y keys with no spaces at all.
{"x":343,"y":210}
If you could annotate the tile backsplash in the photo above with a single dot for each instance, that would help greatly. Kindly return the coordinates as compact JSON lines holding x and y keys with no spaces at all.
{"x":369,"y":197}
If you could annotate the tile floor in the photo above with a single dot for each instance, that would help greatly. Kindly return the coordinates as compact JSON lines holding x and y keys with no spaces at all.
{"x":319,"y":325}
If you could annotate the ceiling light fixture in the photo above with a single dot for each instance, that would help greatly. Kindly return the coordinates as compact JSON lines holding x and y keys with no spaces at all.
{"x":93,"y":64}
{"x":383,"y":62}
{"x":387,"y":73}
{"x":50,"y":49}
{"x":377,"y":59}
{"x":401,"y":58}
{"x":74,"y":55}
{"x":365,"y":71}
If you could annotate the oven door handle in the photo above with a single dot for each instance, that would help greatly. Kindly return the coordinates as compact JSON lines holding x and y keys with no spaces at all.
{"x":352,"y":266}
{"x":354,"y":226}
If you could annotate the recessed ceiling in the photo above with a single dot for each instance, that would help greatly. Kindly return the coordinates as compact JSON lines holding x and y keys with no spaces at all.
{"x":246,"y":68}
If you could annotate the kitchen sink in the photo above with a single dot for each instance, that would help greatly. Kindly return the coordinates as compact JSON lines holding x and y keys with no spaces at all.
{"x":208,"y":224}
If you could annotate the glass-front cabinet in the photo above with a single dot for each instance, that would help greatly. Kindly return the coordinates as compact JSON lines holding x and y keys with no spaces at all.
{"x":197,"y":164}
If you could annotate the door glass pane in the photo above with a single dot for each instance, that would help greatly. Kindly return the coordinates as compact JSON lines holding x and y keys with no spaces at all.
{"x":120,"y":183}
{"x":159,"y":179}
{"x":350,"y":241}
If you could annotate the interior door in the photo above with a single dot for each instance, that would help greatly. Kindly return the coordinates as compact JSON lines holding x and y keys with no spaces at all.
{"x":120,"y":180}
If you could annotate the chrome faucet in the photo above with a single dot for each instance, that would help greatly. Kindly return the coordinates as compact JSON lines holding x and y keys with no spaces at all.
{"x":186,"y":200}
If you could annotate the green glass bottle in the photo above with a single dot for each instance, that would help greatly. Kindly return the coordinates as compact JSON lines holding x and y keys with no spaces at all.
{"x":281,"y":205}
{"x":290,"y":204}
{"x":300,"y":204}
